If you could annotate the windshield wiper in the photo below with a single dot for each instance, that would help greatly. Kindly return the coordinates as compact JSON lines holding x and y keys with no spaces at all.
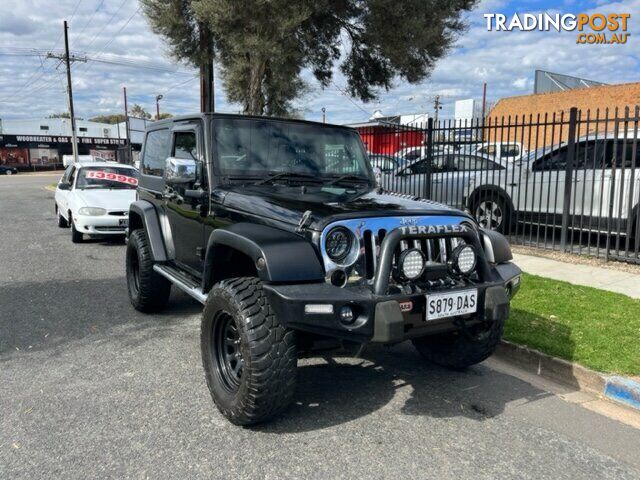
{"x":287,"y":175}
{"x":351,"y":177}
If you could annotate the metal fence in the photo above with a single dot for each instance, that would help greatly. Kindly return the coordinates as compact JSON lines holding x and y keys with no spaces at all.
{"x":568,"y":181}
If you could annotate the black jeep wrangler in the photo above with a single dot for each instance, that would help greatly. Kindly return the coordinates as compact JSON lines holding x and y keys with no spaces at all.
{"x":279,"y":229}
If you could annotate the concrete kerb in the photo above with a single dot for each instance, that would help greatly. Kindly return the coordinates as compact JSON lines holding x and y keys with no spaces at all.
{"x":619,"y":389}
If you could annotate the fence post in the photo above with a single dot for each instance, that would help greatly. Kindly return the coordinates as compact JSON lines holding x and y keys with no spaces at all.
{"x":568,"y":179}
{"x":427,"y":183}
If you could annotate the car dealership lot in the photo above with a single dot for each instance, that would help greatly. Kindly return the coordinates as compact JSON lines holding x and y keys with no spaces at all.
{"x":91,"y":388}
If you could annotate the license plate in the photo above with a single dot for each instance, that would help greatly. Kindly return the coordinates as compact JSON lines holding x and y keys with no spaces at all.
{"x":443,"y":305}
{"x":123,"y":222}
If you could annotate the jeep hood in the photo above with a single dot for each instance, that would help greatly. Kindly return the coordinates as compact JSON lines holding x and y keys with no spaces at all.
{"x":288,"y":204}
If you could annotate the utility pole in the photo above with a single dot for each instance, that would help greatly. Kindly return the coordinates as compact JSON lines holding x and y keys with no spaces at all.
{"x":126,"y":123}
{"x":324,"y":115}
{"x":68,"y":59}
{"x":484,"y":99}
{"x":437,"y":105}
{"x":158,"y":98}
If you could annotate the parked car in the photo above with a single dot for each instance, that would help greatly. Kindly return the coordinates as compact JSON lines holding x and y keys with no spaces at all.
{"x":386,"y":163}
{"x":278,"y":229}
{"x":500,"y":150}
{"x":415,"y":153}
{"x":604,"y":193}
{"x":7,"y":170}
{"x":450,"y":177}
{"x":94,"y":198}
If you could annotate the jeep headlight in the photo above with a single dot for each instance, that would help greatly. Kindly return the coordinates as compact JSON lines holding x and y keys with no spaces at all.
{"x":339,"y":244}
{"x":92,"y":211}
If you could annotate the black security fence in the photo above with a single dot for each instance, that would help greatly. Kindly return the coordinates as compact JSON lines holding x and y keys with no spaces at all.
{"x":568,"y":181}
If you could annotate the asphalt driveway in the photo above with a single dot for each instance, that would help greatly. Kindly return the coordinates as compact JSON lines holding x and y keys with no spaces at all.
{"x":90,"y":388}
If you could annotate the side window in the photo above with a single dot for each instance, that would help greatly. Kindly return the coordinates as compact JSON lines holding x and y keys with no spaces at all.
{"x":385,"y":164}
{"x":156,"y":151}
{"x":72,"y":174}
{"x":417,"y":168}
{"x":412,"y":155}
{"x":488,"y":150}
{"x":589,"y":155}
{"x":509,"y":151}
{"x":469,"y":163}
{"x":556,"y":160}
{"x":185,"y":146}
{"x":623,"y":150}
{"x":67,"y":173}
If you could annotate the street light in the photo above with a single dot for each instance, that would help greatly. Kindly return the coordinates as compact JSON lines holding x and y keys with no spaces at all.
{"x":158,"y":98}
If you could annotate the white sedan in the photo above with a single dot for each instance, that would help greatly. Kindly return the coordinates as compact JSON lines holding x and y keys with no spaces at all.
{"x":94,"y":198}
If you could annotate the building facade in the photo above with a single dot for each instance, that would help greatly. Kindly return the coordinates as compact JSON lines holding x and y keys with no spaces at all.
{"x":41,"y":143}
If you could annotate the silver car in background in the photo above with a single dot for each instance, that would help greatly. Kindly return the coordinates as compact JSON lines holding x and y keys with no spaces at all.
{"x":450,"y":176}
{"x":604,"y":189}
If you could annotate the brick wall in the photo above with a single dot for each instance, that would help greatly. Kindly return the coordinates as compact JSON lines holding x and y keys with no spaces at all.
{"x":511,"y":115}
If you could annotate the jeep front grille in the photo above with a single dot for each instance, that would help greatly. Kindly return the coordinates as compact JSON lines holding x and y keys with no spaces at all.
{"x":370,"y":232}
{"x":436,"y":251}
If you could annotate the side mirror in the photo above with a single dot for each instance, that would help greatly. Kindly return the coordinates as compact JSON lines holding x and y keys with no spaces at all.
{"x":180,"y":171}
{"x":64,"y":186}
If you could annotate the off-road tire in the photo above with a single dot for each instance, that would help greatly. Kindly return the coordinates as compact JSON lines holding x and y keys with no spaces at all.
{"x":148,"y":290}
{"x":461,"y":349}
{"x":267,"y":349}
{"x":62,"y":222}
{"x":76,"y":236}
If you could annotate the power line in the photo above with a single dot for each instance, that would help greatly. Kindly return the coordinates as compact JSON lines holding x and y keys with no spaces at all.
{"x":118,"y":32}
{"x":91,"y":18}
{"x":73,"y":14}
{"x":107,"y":24}
{"x":369,"y":115}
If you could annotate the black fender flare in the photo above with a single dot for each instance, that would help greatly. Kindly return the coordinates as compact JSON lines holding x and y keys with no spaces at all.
{"x":284,"y":256}
{"x":143,"y":214}
{"x":491,"y":190}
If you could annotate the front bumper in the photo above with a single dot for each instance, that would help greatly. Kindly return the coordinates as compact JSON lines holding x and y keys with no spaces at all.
{"x":101,"y":225}
{"x":386,"y":318}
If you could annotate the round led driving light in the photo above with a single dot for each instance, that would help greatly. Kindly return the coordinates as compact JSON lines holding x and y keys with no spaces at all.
{"x":412,"y":264}
{"x":338,"y":244}
{"x":464,"y":259}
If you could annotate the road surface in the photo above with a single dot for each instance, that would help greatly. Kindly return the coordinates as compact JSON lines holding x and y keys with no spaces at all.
{"x":91,"y":388}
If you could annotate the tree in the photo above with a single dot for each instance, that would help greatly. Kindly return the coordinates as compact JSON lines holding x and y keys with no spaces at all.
{"x":262,"y":47}
{"x":111,"y":119}
{"x":138,"y":111}
{"x":164,"y":115}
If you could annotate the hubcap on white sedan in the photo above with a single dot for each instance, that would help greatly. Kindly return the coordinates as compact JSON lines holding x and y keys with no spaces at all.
{"x":489,"y":215}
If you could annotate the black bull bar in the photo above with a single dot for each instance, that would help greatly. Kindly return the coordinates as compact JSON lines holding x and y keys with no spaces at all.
{"x":391,"y":241}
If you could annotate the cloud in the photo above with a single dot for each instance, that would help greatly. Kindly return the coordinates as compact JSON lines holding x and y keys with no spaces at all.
{"x":15,"y":25}
{"x":34,"y":86}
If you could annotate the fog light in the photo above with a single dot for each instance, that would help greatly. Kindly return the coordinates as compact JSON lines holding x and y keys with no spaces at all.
{"x":412,"y":264}
{"x":463,"y":259}
{"x":346,"y":315}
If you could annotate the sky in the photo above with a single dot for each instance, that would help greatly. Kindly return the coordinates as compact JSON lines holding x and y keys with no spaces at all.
{"x":33,"y":86}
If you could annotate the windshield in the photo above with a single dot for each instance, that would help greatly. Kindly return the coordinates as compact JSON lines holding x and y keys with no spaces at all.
{"x":107,"y":177}
{"x":256,"y":148}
